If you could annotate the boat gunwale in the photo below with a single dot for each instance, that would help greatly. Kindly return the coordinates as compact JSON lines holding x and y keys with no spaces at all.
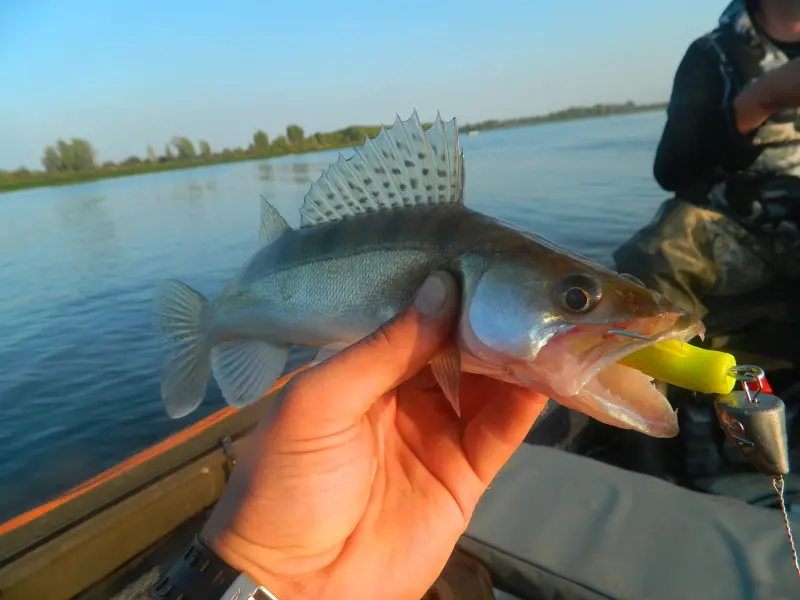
{"x":33,"y":528}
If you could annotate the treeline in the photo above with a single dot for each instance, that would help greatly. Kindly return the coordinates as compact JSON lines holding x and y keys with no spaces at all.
{"x":76,"y":160}
{"x":567,"y":114}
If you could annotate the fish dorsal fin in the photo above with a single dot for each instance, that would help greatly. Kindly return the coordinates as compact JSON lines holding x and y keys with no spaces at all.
{"x":272,"y":223}
{"x":403,"y":166}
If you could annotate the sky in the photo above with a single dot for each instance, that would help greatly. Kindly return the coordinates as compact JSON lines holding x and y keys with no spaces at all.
{"x":127,"y":74}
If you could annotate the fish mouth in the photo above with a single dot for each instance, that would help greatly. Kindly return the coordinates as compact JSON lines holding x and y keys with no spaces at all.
{"x":581,"y":369}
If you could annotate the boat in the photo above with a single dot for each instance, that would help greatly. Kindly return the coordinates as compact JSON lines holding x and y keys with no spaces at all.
{"x":554,"y":524}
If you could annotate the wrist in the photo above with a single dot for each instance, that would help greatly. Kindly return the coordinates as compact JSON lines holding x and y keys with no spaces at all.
{"x":753,"y":106}
{"x":200,"y":574}
{"x":244,"y":557}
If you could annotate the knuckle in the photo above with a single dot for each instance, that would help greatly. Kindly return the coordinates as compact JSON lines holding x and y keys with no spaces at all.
{"x":383,"y":338}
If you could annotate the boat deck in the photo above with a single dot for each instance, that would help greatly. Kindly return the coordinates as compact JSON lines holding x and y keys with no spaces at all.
{"x":553,"y":525}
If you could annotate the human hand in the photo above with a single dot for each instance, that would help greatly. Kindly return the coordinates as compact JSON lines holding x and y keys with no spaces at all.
{"x":777,"y":90}
{"x":360,"y":480}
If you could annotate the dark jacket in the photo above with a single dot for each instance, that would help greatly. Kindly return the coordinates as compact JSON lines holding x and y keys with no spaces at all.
{"x":700,"y":154}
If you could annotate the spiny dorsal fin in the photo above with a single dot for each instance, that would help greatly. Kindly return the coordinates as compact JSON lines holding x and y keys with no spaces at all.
{"x":272,"y":223}
{"x":403,"y":166}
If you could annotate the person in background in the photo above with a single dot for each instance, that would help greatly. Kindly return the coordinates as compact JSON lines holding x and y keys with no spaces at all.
{"x":730,"y":152}
{"x":360,"y":479}
{"x":726,"y":246}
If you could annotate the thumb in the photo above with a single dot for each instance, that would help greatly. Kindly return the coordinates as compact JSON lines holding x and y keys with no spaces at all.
{"x":343,"y":387}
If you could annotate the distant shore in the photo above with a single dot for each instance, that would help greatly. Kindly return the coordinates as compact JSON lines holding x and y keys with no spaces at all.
{"x":568,"y":114}
{"x":69,"y":163}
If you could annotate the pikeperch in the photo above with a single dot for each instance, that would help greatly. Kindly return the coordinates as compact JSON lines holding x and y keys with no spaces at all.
{"x":372,"y":228}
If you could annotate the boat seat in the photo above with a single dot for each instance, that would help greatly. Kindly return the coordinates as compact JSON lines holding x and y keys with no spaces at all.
{"x":557,"y":526}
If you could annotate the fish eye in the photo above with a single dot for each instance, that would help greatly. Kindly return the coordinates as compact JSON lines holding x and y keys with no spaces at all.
{"x":634,"y":279}
{"x":579,"y":293}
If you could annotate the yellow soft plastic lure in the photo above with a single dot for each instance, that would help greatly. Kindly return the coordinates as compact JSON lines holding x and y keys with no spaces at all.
{"x":686,"y":366}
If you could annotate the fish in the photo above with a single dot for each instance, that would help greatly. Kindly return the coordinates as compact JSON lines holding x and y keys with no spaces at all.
{"x":372,"y":228}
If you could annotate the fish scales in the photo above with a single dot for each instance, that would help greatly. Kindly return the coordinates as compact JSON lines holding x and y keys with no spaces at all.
{"x":444,"y":230}
{"x":372,"y":228}
{"x":440,"y":230}
{"x":327,"y":278}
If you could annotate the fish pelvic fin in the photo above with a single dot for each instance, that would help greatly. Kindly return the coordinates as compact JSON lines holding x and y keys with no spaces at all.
{"x":446,"y":368}
{"x":404,"y":166}
{"x":272,"y":224}
{"x":245,"y":370}
{"x":179,"y":313}
{"x":327,"y":352}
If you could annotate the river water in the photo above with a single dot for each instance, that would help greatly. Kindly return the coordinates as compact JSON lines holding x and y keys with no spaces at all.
{"x":79,"y":381}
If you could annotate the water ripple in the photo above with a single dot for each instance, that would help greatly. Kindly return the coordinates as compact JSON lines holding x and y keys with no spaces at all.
{"x":79,"y":388}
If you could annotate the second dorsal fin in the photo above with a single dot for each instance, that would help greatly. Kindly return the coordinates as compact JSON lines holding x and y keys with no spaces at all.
{"x":272,"y":224}
{"x":403,"y":166}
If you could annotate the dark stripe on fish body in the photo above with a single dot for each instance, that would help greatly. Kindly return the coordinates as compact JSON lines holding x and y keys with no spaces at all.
{"x":387,"y":229}
{"x":400,"y":229}
{"x":374,"y":230}
{"x":444,"y":230}
{"x":329,"y":239}
{"x":292,"y":249}
{"x":345,"y":237}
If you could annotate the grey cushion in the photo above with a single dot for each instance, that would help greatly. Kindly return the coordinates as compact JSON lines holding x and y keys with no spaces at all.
{"x":559,"y":526}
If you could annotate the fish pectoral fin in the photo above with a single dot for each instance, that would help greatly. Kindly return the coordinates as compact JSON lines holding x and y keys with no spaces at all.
{"x":326,"y":352}
{"x":245,"y":370}
{"x":404,"y":166}
{"x":272,"y":223}
{"x":446,"y":367}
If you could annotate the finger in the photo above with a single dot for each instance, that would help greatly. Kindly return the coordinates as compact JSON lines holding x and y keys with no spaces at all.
{"x":500,"y":426}
{"x":343,"y":387}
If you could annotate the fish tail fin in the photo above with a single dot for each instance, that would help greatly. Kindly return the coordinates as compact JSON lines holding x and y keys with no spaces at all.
{"x":179,"y":312}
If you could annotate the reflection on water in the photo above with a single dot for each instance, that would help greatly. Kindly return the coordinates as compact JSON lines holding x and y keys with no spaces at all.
{"x":78,"y":265}
{"x":196,"y":188}
{"x":301,"y":173}
{"x":266,"y":170}
{"x":87,"y":220}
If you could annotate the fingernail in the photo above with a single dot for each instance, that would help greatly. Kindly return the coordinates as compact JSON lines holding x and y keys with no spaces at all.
{"x":432,"y":296}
